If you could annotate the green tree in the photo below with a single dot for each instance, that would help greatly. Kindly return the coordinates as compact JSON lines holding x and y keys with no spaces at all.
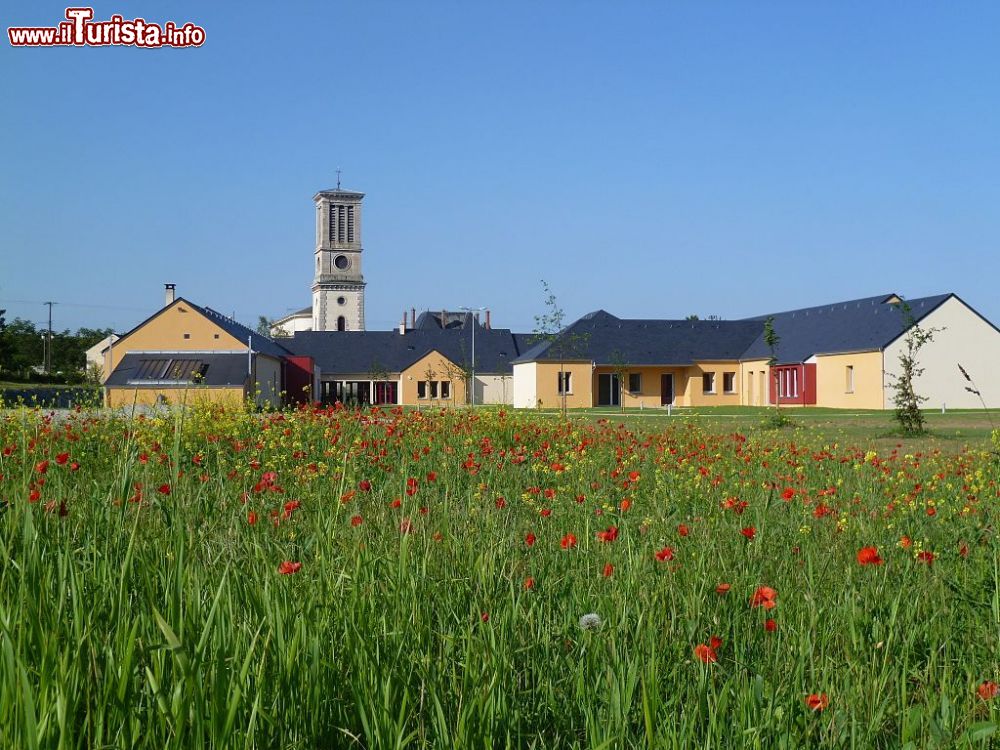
{"x":905,"y":397}
{"x":563,"y":344}
{"x":4,"y":346}
{"x":264,"y":325}
{"x":619,"y":366}
{"x":772,"y":339}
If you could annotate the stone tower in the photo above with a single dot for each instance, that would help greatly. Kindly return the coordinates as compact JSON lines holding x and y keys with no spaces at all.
{"x":338,"y":289}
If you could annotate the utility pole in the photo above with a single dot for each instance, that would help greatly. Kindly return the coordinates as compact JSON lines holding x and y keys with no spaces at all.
{"x":48,"y":349}
{"x":471,"y":311}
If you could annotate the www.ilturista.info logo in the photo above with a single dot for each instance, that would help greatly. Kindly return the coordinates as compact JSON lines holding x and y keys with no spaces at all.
{"x":80,"y":30}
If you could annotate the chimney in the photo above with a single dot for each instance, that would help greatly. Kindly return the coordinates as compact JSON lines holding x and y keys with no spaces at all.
{"x":168,"y":290}
{"x":444,"y":319}
{"x":487,"y":320}
{"x":475,"y":320}
{"x":413,"y":317}
{"x":402,"y":325}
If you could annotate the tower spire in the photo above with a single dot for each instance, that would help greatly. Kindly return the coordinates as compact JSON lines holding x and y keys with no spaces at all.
{"x":338,"y":178}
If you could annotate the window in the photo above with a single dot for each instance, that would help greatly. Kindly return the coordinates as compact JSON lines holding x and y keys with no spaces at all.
{"x":795,"y":383}
{"x":708,"y":382}
{"x":434,"y":388}
{"x":187,"y":335}
{"x":445,"y":389}
{"x":565,"y":383}
{"x":421,"y":389}
{"x":729,"y":382}
{"x":342,"y":224}
{"x":634,"y":382}
{"x":215,"y":336}
{"x":341,"y":323}
{"x":849,"y":375}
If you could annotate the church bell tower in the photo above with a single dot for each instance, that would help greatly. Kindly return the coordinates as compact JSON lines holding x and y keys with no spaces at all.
{"x":338,"y":289}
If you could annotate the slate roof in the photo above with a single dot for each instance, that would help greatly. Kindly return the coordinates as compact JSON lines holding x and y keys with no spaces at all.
{"x":857,"y":325}
{"x":431,"y":320}
{"x":606,"y":339}
{"x":263,"y":344}
{"x":359,"y":352}
{"x":179,"y":368}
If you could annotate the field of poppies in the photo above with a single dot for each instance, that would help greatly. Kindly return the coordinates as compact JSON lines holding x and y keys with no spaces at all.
{"x":333,"y":578}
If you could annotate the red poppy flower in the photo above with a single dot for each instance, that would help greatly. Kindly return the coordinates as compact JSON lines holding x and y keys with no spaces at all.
{"x":869,"y":556}
{"x":432,"y":476}
{"x":905,"y":542}
{"x":749,"y":532}
{"x":925,"y":556}
{"x":665,"y":555}
{"x":609,"y":570}
{"x":364,"y":485}
{"x":765,"y":597}
{"x":163,"y":489}
{"x":500,"y":503}
{"x":529,"y":583}
{"x":988,"y":690}
{"x":251,"y":518}
{"x":625,"y":505}
{"x":62,"y":458}
{"x":683,"y":530}
{"x":529,"y":539}
{"x":722,"y":589}
{"x":545,"y":512}
{"x":715,"y":642}
{"x":788,"y":493}
{"x":817,"y":701}
{"x":706,"y":653}
{"x":770,"y":625}
{"x":485,"y":617}
{"x":608,"y":535}
{"x":357,"y":520}
{"x":568,"y":541}
{"x":288,"y":567}
{"x":42,"y":466}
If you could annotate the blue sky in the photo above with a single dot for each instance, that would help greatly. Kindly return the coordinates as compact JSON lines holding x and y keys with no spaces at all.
{"x":651,"y":159}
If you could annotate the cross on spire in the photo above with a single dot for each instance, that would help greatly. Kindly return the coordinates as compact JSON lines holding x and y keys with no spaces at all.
{"x":338,"y":178}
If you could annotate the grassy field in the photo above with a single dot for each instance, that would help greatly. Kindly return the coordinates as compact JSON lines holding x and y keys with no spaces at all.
{"x":495,"y":579}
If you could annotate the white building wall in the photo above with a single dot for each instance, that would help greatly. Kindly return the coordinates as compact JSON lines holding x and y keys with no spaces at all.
{"x":98,"y":357}
{"x":494,"y":389}
{"x":291,"y":325}
{"x":525,"y":391}
{"x":966,"y":339}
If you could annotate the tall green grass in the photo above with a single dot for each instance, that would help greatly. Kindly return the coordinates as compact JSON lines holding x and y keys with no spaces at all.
{"x":165,"y":622}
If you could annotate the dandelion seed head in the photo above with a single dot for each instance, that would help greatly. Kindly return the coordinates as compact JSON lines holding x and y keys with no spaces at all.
{"x":590,"y":621}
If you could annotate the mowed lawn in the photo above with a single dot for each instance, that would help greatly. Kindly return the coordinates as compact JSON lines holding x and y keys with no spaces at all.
{"x":402,"y":578}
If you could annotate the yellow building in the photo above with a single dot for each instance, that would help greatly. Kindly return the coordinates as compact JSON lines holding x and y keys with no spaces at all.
{"x":426,"y":362}
{"x":186,"y":353}
{"x":842,"y":355}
